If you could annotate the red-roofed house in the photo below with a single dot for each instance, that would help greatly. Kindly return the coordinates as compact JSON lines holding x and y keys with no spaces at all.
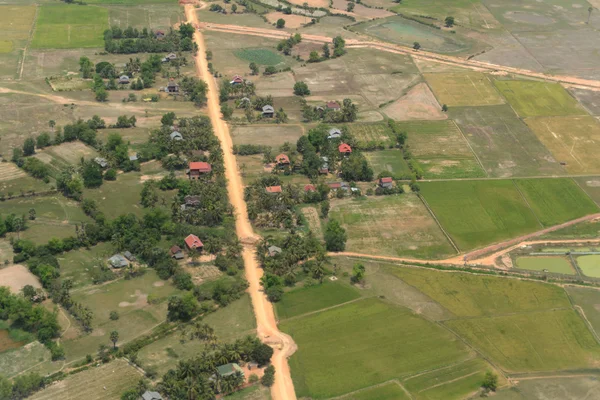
{"x":159,"y":34}
{"x":237,"y":80}
{"x":198,"y":168}
{"x":333,"y":105}
{"x":310,"y":188}
{"x":345,"y":148}
{"x":273,"y":189}
{"x":193,"y":242}
{"x":282,"y":159}
{"x":386,"y":182}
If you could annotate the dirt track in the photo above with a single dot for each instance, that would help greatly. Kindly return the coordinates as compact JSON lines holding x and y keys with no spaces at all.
{"x":398,"y":49}
{"x":283,"y":389}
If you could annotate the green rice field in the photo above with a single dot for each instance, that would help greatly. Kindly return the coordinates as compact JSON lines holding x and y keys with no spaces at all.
{"x":309,"y":299}
{"x":559,"y":265}
{"x":389,"y":161}
{"x":259,"y":56}
{"x":389,"y":391}
{"x":589,"y":265}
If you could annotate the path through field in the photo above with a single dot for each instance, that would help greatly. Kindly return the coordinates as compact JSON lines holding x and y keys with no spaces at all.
{"x":283,"y":389}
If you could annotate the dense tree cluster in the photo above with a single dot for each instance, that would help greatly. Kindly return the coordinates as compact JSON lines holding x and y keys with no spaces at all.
{"x":21,"y":386}
{"x":132,"y":40}
{"x":348,"y":112}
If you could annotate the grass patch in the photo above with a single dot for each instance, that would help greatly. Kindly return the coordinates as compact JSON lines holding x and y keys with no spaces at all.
{"x":68,"y":27}
{"x":542,"y":341}
{"x":555,"y":201}
{"x":389,"y":391}
{"x":463,"y":89}
{"x":378,"y":133}
{"x":272,"y":135}
{"x":78,"y":265}
{"x":308,"y":299}
{"x":559,"y":265}
{"x":589,"y":265}
{"x":362,"y":344}
{"x":467,"y":295}
{"x":475,"y":213}
{"x":6,"y":46}
{"x":389,"y":161}
{"x":535,"y":99}
{"x":14,"y":361}
{"x":48,"y":208}
{"x":390,"y":225}
{"x":259,"y":56}
{"x":588,"y":299}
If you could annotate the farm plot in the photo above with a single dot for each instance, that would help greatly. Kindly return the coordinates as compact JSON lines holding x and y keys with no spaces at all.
{"x":590,"y":185}
{"x":441,"y":150}
{"x":556,"y":264}
{"x":17,"y":21}
{"x":269,"y":135}
{"x":312,"y":217}
{"x":555,"y":201}
{"x":389,"y":161}
{"x":372,"y":133}
{"x":503,"y":143}
{"x":364,"y":343}
{"x":589,"y":99}
{"x":467,"y":295}
{"x":574,"y":141}
{"x":157,"y":16}
{"x":555,"y":388}
{"x":48,"y":208}
{"x":389,"y":391}
{"x":418,"y":104}
{"x":66,"y":154}
{"x":537,"y":99}
{"x":391,"y":225}
{"x":18,"y":360}
{"x":463,"y":89}
{"x":541,"y":341}
{"x":589,"y":265}
{"x":308,"y":299}
{"x":15,"y":277}
{"x":260,"y":56}
{"x":476,"y":213}
{"x":67,"y":27}
{"x":278,"y":85}
{"x":589,"y":301}
{"x":79,"y":265}
{"x":106,"y":382}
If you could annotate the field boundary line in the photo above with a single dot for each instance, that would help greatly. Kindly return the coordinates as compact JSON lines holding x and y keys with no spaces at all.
{"x":471,"y":147}
{"x":581,"y":313}
{"x":396,"y":381}
{"x":527,"y":202}
{"x":583,"y":190}
{"x":438,"y":223}
{"x":29,"y":40}
{"x":326,"y":308}
{"x":450,"y":381}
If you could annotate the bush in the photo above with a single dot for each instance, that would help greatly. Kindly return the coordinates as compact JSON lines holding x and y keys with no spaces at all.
{"x":110,"y":174}
{"x":114,"y":315}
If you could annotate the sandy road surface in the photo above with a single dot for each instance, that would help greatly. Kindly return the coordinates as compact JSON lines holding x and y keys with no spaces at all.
{"x":283,"y":389}
{"x":399,"y":49}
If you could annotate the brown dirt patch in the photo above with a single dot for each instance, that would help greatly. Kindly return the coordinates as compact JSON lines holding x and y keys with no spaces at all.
{"x":291,"y":21}
{"x":158,"y":283}
{"x":418,"y":104}
{"x":140,"y":301}
{"x":202,"y":273}
{"x":16,"y":277}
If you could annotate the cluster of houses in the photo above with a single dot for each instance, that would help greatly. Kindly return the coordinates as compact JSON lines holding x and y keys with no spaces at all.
{"x":126,"y":80}
{"x":119,"y":261}
{"x":192,"y":242}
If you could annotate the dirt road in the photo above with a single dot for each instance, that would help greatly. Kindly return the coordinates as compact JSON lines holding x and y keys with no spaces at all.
{"x":283,"y":389}
{"x":399,"y":49}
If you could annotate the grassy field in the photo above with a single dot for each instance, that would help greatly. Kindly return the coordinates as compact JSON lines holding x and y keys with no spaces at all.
{"x":588,"y":299}
{"x":155,"y":16}
{"x":77,"y":265}
{"x":66,"y":154}
{"x":68,"y":27}
{"x":260,"y":56}
{"x":467,"y":295}
{"x":390,"y":225}
{"x":273,"y":135}
{"x":475,"y":213}
{"x":391,"y":161}
{"x":559,"y":265}
{"x":503,"y":143}
{"x":571,"y":140}
{"x":554,"y":388}
{"x":379,"y":341}
{"x":589,"y":265}
{"x":108,"y":382}
{"x":535,"y":99}
{"x":378,"y":133}
{"x":555,"y":201}
{"x":55,"y":208}
{"x":541,"y":341}
{"x":15,"y":361}
{"x":17,"y":21}
{"x":463,"y":89}
{"x":308,"y":299}
{"x":389,"y":391}
{"x":441,"y":150}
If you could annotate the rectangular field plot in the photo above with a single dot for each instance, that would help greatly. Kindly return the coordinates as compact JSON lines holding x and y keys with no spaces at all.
{"x":391,"y":161}
{"x":106,"y":382}
{"x":78,"y":266}
{"x":541,"y":341}
{"x":68,"y":27}
{"x":309,"y":299}
{"x":476,"y":213}
{"x":535,"y":99}
{"x":503,"y":143}
{"x":467,"y":295}
{"x":379,"y":133}
{"x":66,"y":154}
{"x":555,"y":201}
{"x":441,"y":150}
{"x":574,"y":141}
{"x":55,"y":208}
{"x":391,"y":225}
{"x":588,"y":299}
{"x":363,"y":344}
{"x":463,"y":89}
{"x":158,"y":16}
{"x":556,"y":264}
{"x":589,"y":265}
{"x":271,"y":135}
{"x":554,"y":388}
{"x":389,"y":391}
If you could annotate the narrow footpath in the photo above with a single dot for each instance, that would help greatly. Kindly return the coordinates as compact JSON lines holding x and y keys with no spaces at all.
{"x":284,"y":346}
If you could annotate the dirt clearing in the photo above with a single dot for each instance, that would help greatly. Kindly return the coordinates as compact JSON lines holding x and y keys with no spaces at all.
{"x":291,"y":21}
{"x":418,"y":104}
{"x":16,"y":277}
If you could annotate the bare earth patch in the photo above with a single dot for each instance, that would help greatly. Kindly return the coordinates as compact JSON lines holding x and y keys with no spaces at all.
{"x":418,"y":104}
{"x":16,"y":277}
{"x":140,"y":301}
{"x":158,"y":283}
{"x":291,"y":21}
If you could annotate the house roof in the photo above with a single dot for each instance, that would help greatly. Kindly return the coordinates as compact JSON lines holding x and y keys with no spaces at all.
{"x":309,"y":188}
{"x":334,"y":131}
{"x":268,"y":109}
{"x":123,"y":78}
{"x":386,"y":180}
{"x":192,"y":200}
{"x":129,"y":256}
{"x":345,"y":148}
{"x":237,"y":79}
{"x":172,"y":84}
{"x":335,"y":185}
{"x":176,"y":136}
{"x":148,"y":395}
{"x":175,"y":249}
{"x":274,"y":249}
{"x":159,"y":33}
{"x":193,"y":242}
{"x":133,"y":157}
{"x":171,"y":55}
{"x":282,"y":159}
{"x":273,"y":189}
{"x":118,"y":261}
{"x":229,"y":369}
{"x":333,"y":105}
{"x":200,"y":166}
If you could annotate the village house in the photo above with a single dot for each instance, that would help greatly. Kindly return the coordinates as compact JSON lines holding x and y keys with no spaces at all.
{"x":177,"y":253}
{"x":133,"y":157}
{"x":282,"y":160}
{"x":118,"y":261}
{"x":123,"y":80}
{"x":334,"y":133}
{"x":237,"y":80}
{"x":169,"y":57}
{"x":229,"y":369}
{"x":193,"y":242}
{"x":159,"y":34}
{"x":345,"y":149}
{"x":324,"y":170}
{"x":268,"y":111}
{"x":386,"y":183}
{"x":191,"y":201}
{"x":176,"y":136}
{"x":339,"y":185}
{"x":101,"y":162}
{"x":273,"y":189}
{"x":172,"y":87}
{"x":309,"y":188}
{"x":198,"y":168}
{"x":129,"y":256}
{"x":333,"y":105}
{"x":149,"y":395}
{"x":274,"y":250}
